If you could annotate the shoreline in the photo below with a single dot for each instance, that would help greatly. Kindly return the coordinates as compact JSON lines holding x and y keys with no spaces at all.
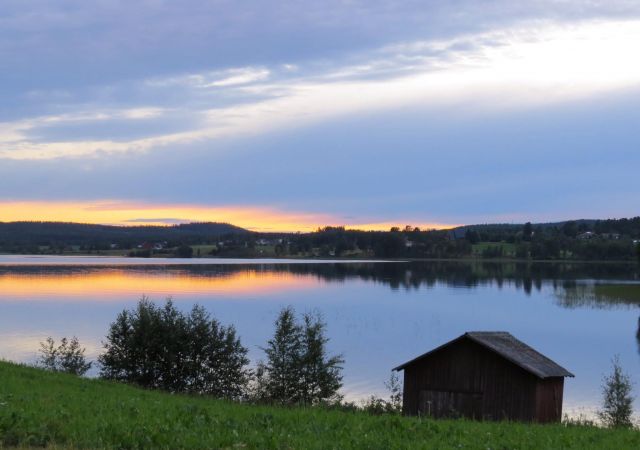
{"x":300,"y":259}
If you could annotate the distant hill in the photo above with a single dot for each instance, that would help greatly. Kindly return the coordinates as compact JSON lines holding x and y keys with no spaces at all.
{"x":47,"y":233}
{"x":460,"y":232}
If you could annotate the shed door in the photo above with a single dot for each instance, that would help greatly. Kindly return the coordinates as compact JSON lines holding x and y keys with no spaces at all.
{"x":450,"y":404}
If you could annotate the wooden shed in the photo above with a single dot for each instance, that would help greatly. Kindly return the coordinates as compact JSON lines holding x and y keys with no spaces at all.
{"x":485,"y":375}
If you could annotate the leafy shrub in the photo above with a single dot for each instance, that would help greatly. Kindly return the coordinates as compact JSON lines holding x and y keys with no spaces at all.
{"x":67,"y":357}
{"x":162,"y":348}
{"x":377,"y":406}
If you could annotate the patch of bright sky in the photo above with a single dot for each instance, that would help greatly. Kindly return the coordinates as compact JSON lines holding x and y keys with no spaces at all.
{"x":135,"y":213}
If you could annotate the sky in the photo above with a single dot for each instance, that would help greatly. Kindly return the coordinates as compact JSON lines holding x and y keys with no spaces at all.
{"x":289,"y":115}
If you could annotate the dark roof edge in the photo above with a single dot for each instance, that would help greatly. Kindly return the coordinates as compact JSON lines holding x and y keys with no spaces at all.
{"x":477,"y":341}
{"x":528,"y":369}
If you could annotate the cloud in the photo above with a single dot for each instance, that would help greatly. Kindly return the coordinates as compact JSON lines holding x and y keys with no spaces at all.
{"x":512,"y":68}
{"x":239,"y":76}
{"x":413,"y":166}
{"x":333,"y":113}
{"x":229,"y":77}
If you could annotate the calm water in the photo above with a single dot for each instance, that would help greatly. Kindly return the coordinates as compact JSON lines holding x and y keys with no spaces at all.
{"x":379,"y":314}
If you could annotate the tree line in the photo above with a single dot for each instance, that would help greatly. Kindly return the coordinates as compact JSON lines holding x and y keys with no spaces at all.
{"x":612,"y":239}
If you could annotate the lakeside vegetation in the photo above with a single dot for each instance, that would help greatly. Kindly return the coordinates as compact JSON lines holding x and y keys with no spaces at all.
{"x":56,"y":410}
{"x":583,"y":240}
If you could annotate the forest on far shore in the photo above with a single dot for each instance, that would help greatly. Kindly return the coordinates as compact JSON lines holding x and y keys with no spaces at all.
{"x":589,"y":240}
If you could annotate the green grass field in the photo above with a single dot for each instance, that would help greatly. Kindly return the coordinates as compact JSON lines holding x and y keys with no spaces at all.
{"x":42,"y":409}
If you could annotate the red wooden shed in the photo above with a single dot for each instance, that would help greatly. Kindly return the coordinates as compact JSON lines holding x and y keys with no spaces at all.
{"x":484,"y":375}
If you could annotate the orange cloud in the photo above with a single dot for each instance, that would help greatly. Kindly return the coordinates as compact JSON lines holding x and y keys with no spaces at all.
{"x":115,"y":212}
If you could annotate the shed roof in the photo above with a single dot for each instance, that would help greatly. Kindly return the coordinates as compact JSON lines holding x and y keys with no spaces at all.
{"x":510,"y":348}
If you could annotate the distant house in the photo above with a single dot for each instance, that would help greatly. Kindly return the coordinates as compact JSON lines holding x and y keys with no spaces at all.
{"x":611,"y":236}
{"x":586,"y":235}
{"x":486,"y":376}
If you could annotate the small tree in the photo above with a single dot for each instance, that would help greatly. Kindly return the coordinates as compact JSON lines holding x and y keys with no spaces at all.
{"x":67,"y":357}
{"x":617,"y":404}
{"x":282,"y":371}
{"x":257,"y":389}
{"x":527,"y":231}
{"x":48,"y":358}
{"x":298,"y":368}
{"x":394,"y":386}
{"x":321,"y":373}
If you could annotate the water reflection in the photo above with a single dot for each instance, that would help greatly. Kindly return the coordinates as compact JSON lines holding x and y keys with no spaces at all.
{"x":525,"y":276}
{"x":598,"y":286}
{"x":407,"y":276}
{"x":115,"y":283}
{"x":378,"y":315}
{"x":599,"y":294}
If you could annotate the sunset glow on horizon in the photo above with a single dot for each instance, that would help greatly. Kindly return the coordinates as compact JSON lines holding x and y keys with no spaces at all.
{"x":125,"y":213}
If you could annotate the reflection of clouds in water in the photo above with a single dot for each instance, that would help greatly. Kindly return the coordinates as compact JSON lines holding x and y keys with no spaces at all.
{"x":238,"y":275}
{"x":25,"y":347}
{"x":20,"y":347}
{"x":111,"y":284}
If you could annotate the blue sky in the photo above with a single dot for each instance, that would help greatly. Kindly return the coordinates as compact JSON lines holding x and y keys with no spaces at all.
{"x":340,"y":112}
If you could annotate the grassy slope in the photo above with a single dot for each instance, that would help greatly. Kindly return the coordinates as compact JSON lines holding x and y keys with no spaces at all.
{"x":56,"y":410}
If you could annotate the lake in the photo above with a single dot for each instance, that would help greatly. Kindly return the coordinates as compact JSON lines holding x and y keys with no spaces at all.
{"x":379,"y":314}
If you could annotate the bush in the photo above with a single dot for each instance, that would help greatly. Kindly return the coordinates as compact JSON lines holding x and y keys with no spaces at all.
{"x":67,"y":357}
{"x":162,"y":348}
{"x":617,"y":406}
{"x":377,"y":406}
